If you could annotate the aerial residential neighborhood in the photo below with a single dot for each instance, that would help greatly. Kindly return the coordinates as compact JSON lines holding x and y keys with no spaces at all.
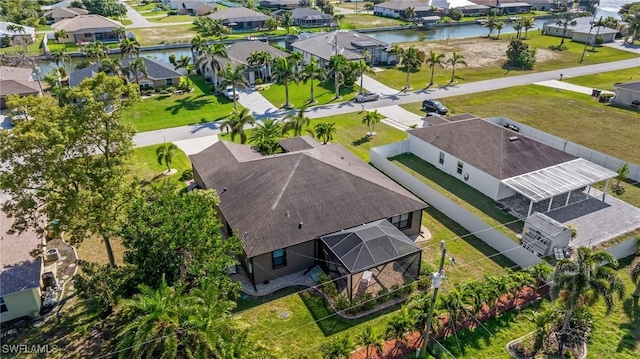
{"x":320,"y":179}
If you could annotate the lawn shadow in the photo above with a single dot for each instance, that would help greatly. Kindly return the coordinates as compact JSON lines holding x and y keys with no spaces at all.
{"x":189,"y":104}
{"x":204,"y":86}
{"x":631,"y":336}
{"x":361,"y":141}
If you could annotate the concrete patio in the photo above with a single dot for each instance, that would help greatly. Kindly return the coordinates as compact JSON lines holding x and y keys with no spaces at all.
{"x":304,"y":278}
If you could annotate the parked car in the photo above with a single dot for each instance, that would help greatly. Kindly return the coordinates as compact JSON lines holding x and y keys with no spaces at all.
{"x":434,"y":106}
{"x":229,"y":93}
{"x":367,"y":96}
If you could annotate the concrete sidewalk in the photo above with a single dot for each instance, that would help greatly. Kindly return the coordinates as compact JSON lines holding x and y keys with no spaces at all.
{"x":569,"y":87}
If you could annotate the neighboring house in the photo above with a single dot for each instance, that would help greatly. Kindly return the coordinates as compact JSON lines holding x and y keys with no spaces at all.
{"x":628,"y":94}
{"x":193,"y":7}
{"x":60,"y":13}
{"x":27,"y":36}
{"x":279,"y":4}
{"x":581,"y":32}
{"x":16,"y":81}
{"x":65,"y":3}
{"x":280,"y":206}
{"x":543,"y":5}
{"x":88,"y":28}
{"x":241,"y":19}
{"x":239,"y":52}
{"x":501,"y":163}
{"x":307,"y":17}
{"x":21,"y":273}
{"x":541,"y":234}
{"x":159,"y":74}
{"x":474,"y":10}
{"x":397,"y":8}
{"x":351,"y":44}
{"x":514,"y":8}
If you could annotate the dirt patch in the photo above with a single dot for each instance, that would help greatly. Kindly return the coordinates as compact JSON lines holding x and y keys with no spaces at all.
{"x":479,"y":52}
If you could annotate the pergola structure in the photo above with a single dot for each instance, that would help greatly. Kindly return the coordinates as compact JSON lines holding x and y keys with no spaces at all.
{"x":563,"y":178}
{"x":373,"y":255}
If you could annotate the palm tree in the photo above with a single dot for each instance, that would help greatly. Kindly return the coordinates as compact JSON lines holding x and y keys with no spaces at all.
{"x":234,"y":77}
{"x":540,"y":272}
{"x":398,"y":326}
{"x":455,"y":59}
{"x":325,"y":131}
{"x":265,"y":136}
{"x":284,"y":72}
{"x":235,"y":124}
{"x":456,"y":303}
{"x":476,"y":295}
{"x":138,"y":67}
{"x":337,"y":348}
{"x":371,"y":340}
{"x":368,"y":7}
{"x":111,"y":66}
{"x":361,"y":66}
{"x":185,"y":63}
{"x":20,"y":30}
{"x":129,"y":47}
{"x":433,"y":60}
{"x":61,"y":35}
{"x":208,"y":57}
{"x":165,"y":153}
{"x":338,"y":64}
{"x":218,"y":28}
{"x":412,"y":58}
{"x":120,"y":31}
{"x":311,"y":72}
{"x":371,"y":118}
{"x":491,"y":23}
{"x":565,"y":19}
{"x":518,"y":25}
{"x":296,"y":122}
{"x":635,"y":275}
{"x":583,"y":276}
{"x":528,"y":23}
{"x":287,"y":21}
{"x":296,"y":58}
{"x":198,"y":43}
{"x":59,"y":56}
{"x":410,"y":13}
{"x":542,"y":321}
{"x":261,"y":59}
{"x":83,"y":63}
{"x":499,"y":26}
{"x":95,"y":49}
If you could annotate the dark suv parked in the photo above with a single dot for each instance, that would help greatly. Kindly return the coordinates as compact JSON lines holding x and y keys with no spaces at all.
{"x":434,"y":106}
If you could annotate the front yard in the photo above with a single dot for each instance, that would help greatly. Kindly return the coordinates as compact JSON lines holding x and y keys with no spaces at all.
{"x":299,"y":94}
{"x":606,"y":80}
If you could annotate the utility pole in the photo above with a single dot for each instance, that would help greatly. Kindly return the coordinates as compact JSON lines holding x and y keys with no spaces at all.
{"x":435,"y":283}
{"x":336,"y":73}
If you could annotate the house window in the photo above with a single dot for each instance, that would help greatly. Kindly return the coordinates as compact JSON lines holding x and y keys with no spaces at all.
{"x":3,"y":306}
{"x":441,"y":160}
{"x":460,"y":167}
{"x":279,"y":258}
{"x":169,"y":82}
{"x":402,"y":221}
{"x":88,"y":35}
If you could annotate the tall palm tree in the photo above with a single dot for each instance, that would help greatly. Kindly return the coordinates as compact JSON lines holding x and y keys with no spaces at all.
{"x":410,"y":13}
{"x":111,"y":66}
{"x":311,"y":72}
{"x":296,"y":58}
{"x":540,"y":272}
{"x":120,"y":32}
{"x":129,"y":48}
{"x":584,"y":276}
{"x":265,"y":136}
{"x":411,"y":59}
{"x":218,"y":28}
{"x":528,"y":23}
{"x":499,"y":26}
{"x":432,"y":60}
{"x":184,"y":62}
{"x":338,"y":18}
{"x":95,"y":49}
{"x":209,"y":57}
{"x":325,"y":131}
{"x":296,"y":122}
{"x":361,"y":66}
{"x":518,"y":25}
{"x":370,"y":339}
{"x":59,"y":56}
{"x":165,"y":153}
{"x":235,"y":124}
{"x":338,"y":64}
{"x":234,"y":77}
{"x":261,"y":60}
{"x":198,"y":43}
{"x":284,"y":72}
{"x":371,"y":118}
{"x":398,"y":326}
{"x":455,"y":59}
{"x":60,"y":35}
{"x":137,"y":68}
{"x":287,"y":21}
{"x":337,"y":348}
{"x":565,"y":19}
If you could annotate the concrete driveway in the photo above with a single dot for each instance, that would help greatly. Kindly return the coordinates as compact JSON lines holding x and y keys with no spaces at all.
{"x":400,"y":118}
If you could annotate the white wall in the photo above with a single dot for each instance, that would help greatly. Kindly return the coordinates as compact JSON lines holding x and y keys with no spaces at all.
{"x":623,"y":249}
{"x":625,"y":97}
{"x":590,"y":39}
{"x":386,"y":12}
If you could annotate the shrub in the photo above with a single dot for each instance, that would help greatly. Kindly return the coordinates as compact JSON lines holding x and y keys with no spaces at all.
{"x":323,"y":278}
{"x":367,"y":301}
{"x":342,"y":302}
{"x":396,"y":292}
{"x":170,"y":89}
{"x":383,"y":295}
{"x":258,"y":81}
{"x":521,"y":55}
{"x":187,"y":175}
{"x":599,"y":40}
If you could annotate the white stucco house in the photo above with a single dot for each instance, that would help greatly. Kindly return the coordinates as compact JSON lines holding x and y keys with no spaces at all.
{"x":628,"y":94}
{"x":351,"y":44}
{"x":582,"y":31}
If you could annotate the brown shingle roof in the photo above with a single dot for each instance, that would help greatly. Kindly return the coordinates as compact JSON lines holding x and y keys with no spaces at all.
{"x":326,"y":188}
{"x":65,"y":12}
{"x":86,"y":23}
{"x":299,"y":143}
{"x":17,"y":80}
{"x":238,"y":14}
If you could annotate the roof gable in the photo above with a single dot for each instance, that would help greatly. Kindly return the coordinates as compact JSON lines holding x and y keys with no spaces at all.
{"x":86,"y":23}
{"x":156,"y":70}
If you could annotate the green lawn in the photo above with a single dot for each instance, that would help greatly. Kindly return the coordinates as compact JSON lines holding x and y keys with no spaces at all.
{"x":172,"y":18}
{"x":169,"y":34}
{"x":606,"y":80}
{"x":32,"y":49}
{"x":461,"y":193}
{"x":567,"y":114}
{"x":154,"y":13}
{"x":364,"y":21}
{"x":147,"y":169}
{"x":165,"y":111}
{"x":299,"y":94}
{"x":395,"y":76}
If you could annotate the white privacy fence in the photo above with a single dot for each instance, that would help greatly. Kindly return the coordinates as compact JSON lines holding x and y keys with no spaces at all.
{"x":624,"y":249}
{"x":468,"y":220}
{"x":575,"y":149}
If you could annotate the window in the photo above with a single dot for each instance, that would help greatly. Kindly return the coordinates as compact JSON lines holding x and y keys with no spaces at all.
{"x":3,"y":306}
{"x":88,"y":35}
{"x":441,"y":160}
{"x":279,"y":258}
{"x":169,"y":82}
{"x":460,"y":166}
{"x":402,"y":221}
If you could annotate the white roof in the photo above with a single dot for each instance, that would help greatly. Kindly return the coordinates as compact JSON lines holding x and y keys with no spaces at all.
{"x":555,"y":180}
{"x":28,"y":30}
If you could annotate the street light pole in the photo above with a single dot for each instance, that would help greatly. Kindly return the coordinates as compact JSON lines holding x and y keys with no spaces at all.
{"x":435,"y":282}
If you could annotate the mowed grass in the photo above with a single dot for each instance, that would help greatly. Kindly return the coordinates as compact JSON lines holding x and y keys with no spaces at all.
{"x":164,"y":35}
{"x":33,"y":49}
{"x":300,"y":94}
{"x":573,"y":116}
{"x":606,"y":80}
{"x":172,"y":18}
{"x":364,"y":21}
{"x":165,"y":111}
{"x":146,"y":168}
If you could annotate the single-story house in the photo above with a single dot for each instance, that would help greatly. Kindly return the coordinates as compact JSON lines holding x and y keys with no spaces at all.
{"x":88,"y":28}
{"x":307,"y":17}
{"x":16,"y":81}
{"x":514,"y":8}
{"x":289,"y":209}
{"x":27,"y":36}
{"x":500,"y":162}
{"x":279,"y":4}
{"x":20,"y":279}
{"x":628,"y":94}
{"x":159,"y":74}
{"x":351,"y":44}
{"x":543,"y":5}
{"x":581,"y":32}
{"x":474,"y":10}
{"x":193,"y":7}
{"x":397,"y":8}
{"x":241,"y":18}
{"x":64,"y":3}
{"x":60,"y":13}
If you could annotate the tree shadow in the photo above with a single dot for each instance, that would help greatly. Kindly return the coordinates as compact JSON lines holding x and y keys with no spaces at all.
{"x":361,"y":140}
{"x":189,"y":104}
{"x":631,"y":336}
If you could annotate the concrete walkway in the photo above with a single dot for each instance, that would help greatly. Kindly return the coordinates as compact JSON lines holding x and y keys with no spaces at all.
{"x":569,"y":87}
{"x":400,"y":118}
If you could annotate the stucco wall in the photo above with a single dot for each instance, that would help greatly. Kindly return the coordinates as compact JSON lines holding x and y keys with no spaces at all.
{"x":623,"y":249}
{"x":299,"y":257}
{"x":625,"y":97}
{"x":591,"y":38}
{"x":21,"y":304}
{"x":385,"y":12}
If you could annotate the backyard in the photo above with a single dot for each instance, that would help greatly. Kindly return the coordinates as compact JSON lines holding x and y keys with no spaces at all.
{"x":299,"y":94}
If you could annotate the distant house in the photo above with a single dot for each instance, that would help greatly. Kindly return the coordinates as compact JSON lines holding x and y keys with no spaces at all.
{"x":159,"y":74}
{"x":582,"y":31}
{"x":628,"y":94}
{"x":398,"y":8}
{"x":20,"y":279}
{"x":193,"y":7}
{"x":26,"y":36}
{"x":241,"y":19}
{"x":16,"y":81}
{"x":290,"y":210}
{"x":514,"y":8}
{"x":279,"y":4}
{"x":60,"y":13}
{"x":88,"y":28}
{"x":65,"y":3}
{"x":474,"y":10}
{"x":351,"y":44}
{"x":307,"y":17}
